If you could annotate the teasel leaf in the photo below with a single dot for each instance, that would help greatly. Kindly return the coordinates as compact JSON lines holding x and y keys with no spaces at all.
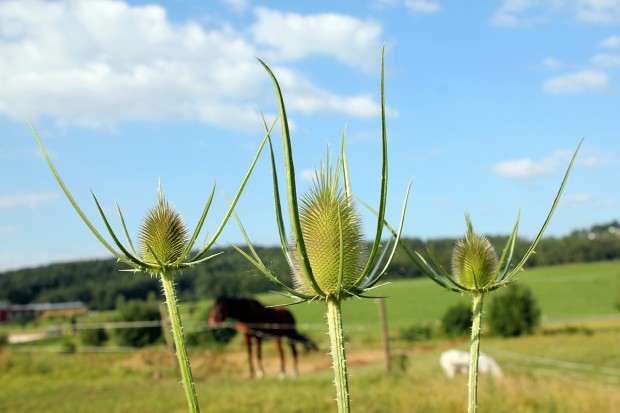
{"x":201,"y":221}
{"x":278,"y":206}
{"x":127,"y":237}
{"x":289,"y":170}
{"x":127,"y":255}
{"x":506,"y":257}
{"x":236,"y":198}
{"x":374,"y":278}
{"x":556,"y":201}
{"x":345,"y":166}
{"x":384,"y":180}
{"x":76,"y":207}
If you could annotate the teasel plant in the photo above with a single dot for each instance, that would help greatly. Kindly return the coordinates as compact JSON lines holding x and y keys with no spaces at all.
{"x":478,"y":270}
{"x":327,"y":253}
{"x":164,"y":249}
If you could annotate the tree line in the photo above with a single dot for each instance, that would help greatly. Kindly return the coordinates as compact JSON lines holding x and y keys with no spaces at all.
{"x":100,"y":284}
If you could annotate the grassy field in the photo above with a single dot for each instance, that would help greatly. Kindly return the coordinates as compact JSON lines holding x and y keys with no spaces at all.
{"x":565,"y":292}
{"x":580,"y":375}
{"x":571,"y":366}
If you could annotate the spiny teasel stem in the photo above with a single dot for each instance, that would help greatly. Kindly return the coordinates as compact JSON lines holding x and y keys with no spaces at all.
{"x":474,"y":352}
{"x":179,"y":342}
{"x":339,"y":359}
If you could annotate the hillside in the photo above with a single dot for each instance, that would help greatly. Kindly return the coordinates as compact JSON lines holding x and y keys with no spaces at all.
{"x":100,"y":283}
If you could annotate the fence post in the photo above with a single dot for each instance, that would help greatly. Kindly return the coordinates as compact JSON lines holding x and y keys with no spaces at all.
{"x":384,"y":333}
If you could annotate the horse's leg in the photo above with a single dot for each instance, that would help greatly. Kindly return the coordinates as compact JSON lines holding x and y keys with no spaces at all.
{"x":294,"y":351}
{"x":278,"y":343}
{"x":248,"y":345}
{"x":259,"y":357}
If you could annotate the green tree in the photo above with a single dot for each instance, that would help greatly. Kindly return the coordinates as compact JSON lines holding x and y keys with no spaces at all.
{"x":135,"y":311}
{"x":457,"y":320}
{"x":513,"y":312}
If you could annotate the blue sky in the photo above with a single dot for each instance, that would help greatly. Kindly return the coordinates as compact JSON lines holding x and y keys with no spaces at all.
{"x":486,"y":102}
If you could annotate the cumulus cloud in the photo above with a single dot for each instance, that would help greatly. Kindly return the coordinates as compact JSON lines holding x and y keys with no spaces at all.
{"x":606,"y":60}
{"x":551,"y":63}
{"x":422,"y":6}
{"x":348,"y":39}
{"x":526,"y":168}
{"x":308,"y":175}
{"x":578,"y":82}
{"x":237,"y":5}
{"x":598,"y":11}
{"x":612,"y":42}
{"x":573,"y":201}
{"x":98,"y":63}
{"x":512,"y":13}
{"x":29,"y":200}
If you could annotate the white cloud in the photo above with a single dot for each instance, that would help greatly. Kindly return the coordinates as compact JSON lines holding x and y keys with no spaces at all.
{"x":237,"y":5}
{"x":598,"y":11}
{"x":305,"y":97}
{"x":29,"y":200}
{"x":526,"y":168}
{"x":513,"y":13}
{"x":612,"y":42}
{"x":348,"y":39}
{"x":605,"y":60}
{"x":98,"y":63}
{"x":592,"y":160}
{"x":522,"y":168}
{"x":422,"y":6}
{"x":573,"y":201}
{"x":578,"y":82}
{"x":551,"y":63}
{"x":307,"y":175}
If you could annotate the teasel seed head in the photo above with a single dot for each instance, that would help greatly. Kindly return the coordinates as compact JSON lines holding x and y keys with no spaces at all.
{"x":332,"y":233}
{"x":163,"y":236}
{"x":474,"y":261}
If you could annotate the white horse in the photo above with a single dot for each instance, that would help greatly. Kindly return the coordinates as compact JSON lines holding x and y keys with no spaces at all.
{"x":457,"y":361}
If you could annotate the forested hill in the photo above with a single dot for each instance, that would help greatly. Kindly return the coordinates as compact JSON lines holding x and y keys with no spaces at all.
{"x":100,"y":283}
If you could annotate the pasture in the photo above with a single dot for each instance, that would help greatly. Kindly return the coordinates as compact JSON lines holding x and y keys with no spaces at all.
{"x":573,"y":365}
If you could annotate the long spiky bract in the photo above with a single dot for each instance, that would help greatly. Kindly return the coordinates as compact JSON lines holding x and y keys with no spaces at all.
{"x":477,"y":270}
{"x":327,"y":252}
{"x":164,"y":247}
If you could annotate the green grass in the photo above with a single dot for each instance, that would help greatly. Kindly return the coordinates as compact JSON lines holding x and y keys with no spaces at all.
{"x":563,"y":292}
{"x":571,"y":370}
{"x":43,"y":382}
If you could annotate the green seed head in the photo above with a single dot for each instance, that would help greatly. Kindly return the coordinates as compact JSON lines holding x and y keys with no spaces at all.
{"x":332,"y":235}
{"x":474,"y":261}
{"x":163,"y":235}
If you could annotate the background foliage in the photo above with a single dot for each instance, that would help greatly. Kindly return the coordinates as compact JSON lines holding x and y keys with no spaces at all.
{"x":100,"y":284}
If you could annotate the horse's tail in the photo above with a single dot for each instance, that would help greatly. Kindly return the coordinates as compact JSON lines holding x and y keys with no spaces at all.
{"x":303,"y":340}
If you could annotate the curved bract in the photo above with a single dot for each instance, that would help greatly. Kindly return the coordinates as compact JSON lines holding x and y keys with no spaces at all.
{"x":327,"y":253}
{"x":466,"y":261}
{"x":163,"y":239}
{"x":164,"y":248}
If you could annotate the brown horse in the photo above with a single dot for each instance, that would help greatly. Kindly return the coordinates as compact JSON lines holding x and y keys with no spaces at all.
{"x":256,"y":322}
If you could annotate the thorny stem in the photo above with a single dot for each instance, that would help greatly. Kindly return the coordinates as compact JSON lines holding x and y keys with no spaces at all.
{"x":339,"y":359}
{"x":474,"y":352}
{"x":179,"y":342}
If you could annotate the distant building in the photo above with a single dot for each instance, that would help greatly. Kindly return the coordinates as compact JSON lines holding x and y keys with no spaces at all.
{"x":28,"y":312}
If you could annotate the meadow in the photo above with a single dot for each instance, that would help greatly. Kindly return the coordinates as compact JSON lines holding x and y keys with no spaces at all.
{"x":571,"y":365}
